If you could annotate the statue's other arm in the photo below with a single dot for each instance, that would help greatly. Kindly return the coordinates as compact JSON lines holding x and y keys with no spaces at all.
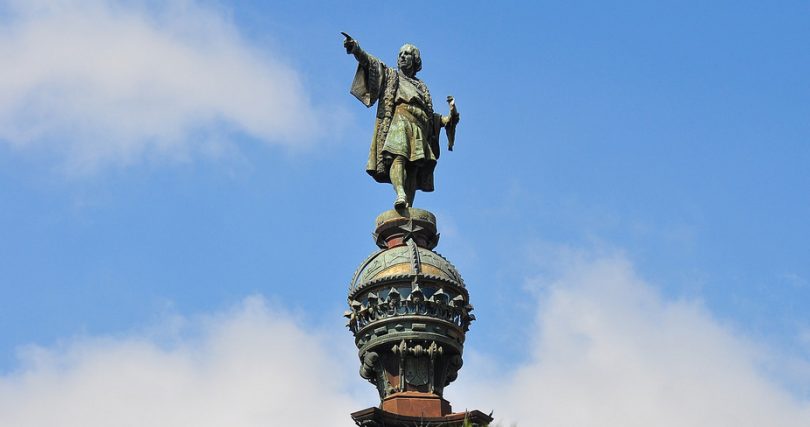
{"x":450,"y":121}
{"x":452,"y":118}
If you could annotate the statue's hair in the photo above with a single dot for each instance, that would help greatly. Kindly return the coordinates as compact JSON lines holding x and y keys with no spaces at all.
{"x":417,"y":57}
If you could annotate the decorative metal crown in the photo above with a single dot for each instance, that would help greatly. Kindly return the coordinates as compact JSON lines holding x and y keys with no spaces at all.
{"x":409,"y":309}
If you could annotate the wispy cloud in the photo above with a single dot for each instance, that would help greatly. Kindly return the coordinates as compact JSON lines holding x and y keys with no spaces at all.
{"x":609,"y":351}
{"x":106,"y":81}
{"x":253,"y":366}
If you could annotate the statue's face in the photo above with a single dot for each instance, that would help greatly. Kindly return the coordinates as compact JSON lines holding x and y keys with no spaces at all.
{"x":405,"y":60}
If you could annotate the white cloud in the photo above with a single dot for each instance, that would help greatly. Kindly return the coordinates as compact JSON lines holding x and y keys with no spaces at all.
{"x":251,"y":367}
{"x":105,"y":82}
{"x":609,"y":351}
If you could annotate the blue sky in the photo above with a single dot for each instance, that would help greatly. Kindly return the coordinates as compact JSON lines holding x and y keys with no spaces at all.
{"x":170,"y":171}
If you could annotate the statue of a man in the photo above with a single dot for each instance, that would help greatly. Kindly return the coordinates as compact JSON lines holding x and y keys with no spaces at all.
{"x":405,"y":144}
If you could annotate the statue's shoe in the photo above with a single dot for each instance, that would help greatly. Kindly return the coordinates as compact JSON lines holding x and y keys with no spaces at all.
{"x":400,"y":203}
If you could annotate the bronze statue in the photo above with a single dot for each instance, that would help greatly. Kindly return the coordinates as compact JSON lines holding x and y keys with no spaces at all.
{"x":405,"y":144}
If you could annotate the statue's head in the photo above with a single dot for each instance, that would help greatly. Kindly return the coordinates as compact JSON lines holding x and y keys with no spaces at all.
{"x":409,"y":59}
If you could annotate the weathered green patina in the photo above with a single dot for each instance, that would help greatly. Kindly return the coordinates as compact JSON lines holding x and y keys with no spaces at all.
{"x":405,"y":143}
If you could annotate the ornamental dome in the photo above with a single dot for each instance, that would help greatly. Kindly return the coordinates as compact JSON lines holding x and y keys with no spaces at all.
{"x":403,"y":263}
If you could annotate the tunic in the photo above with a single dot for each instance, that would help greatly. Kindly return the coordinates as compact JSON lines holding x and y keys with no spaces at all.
{"x":405,"y":123}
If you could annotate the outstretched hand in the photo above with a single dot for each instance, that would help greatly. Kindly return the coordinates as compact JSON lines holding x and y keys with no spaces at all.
{"x":349,"y":43}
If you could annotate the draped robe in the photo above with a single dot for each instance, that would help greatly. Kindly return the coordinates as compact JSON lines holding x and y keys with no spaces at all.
{"x":405,"y":123}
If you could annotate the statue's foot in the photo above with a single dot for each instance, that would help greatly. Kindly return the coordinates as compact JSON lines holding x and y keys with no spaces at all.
{"x":401,"y":203}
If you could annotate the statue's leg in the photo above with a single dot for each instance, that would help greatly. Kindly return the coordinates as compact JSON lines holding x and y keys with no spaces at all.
{"x":397,"y":174}
{"x":411,"y":173}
